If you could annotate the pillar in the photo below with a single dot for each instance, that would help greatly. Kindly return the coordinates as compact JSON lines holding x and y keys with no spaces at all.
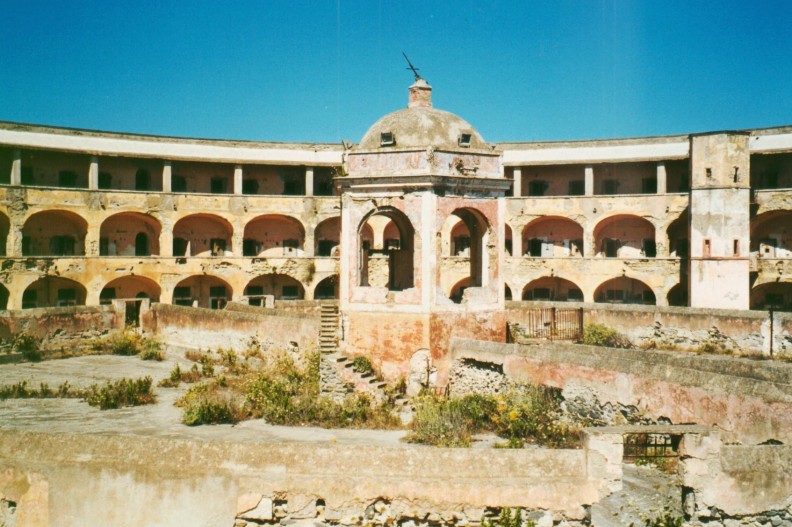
{"x":589,"y":248}
{"x":589,"y":180}
{"x":14,"y":241}
{"x":93,"y":174}
{"x":166,"y":182}
{"x":237,"y":238}
{"x":238,"y":180}
{"x":661,"y":241}
{"x":166,"y":237}
{"x":309,"y":181}
{"x":16,"y":169}
{"x":661,"y":178}
{"x":309,"y":244}
{"x":517,"y":186}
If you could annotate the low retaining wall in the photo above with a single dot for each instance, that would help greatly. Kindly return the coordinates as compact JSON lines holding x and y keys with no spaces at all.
{"x":70,"y":480}
{"x":61,"y":327}
{"x":744,"y":332}
{"x":192,"y":327}
{"x":752,"y":399}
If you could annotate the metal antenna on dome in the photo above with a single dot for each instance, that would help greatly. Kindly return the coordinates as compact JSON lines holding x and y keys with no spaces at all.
{"x":411,"y":67}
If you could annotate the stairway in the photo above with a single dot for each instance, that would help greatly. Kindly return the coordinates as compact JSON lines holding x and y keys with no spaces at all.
{"x":328,"y":329}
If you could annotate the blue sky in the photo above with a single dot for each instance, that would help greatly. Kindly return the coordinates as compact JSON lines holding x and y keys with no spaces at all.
{"x":323,"y":71}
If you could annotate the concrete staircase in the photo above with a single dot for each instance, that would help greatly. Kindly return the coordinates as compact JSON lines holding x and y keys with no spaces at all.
{"x":328,"y":329}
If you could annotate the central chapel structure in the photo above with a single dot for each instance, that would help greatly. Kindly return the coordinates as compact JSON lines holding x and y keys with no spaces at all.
{"x":419,"y":229}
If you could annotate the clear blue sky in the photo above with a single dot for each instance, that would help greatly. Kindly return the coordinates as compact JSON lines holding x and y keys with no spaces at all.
{"x":300,"y":70}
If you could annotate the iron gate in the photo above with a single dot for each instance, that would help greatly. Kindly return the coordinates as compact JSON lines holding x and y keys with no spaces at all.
{"x":552,"y":323}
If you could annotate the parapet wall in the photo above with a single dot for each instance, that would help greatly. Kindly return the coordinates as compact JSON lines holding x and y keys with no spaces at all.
{"x":752,"y":399}
{"x":192,"y":327}
{"x":743,"y":332}
{"x":58,"y":327}
{"x":70,"y":480}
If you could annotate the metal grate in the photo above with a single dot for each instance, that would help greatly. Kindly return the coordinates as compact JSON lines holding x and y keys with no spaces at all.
{"x":656,"y":449}
{"x":553,"y":324}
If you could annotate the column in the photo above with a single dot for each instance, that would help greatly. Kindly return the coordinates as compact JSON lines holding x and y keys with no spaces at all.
{"x":238,"y":180}
{"x":166,"y":237}
{"x":166,"y":178}
{"x":16,"y":168}
{"x":93,"y":174}
{"x":14,"y":241}
{"x":661,"y":241}
{"x":237,"y":238}
{"x":589,"y":247}
{"x":589,"y":180}
{"x":661,"y":178}
{"x":517,"y":185}
{"x":309,"y":181}
{"x":309,"y":243}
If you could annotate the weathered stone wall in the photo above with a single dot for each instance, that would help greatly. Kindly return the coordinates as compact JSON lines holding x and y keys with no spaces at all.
{"x":752,"y":399}
{"x":71,"y":480}
{"x":206,"y":328}
{"x":58,"y":327}
{"x":742,"y":332}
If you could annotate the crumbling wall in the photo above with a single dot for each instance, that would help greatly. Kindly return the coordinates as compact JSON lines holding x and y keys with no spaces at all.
{"x":752,"y":399}
{"x":61,"y":327}
{"x":744,"y":333}
{"x":130,"y":481}
{"x":207,"y":328}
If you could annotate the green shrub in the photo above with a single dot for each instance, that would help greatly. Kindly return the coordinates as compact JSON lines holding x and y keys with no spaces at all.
{"x":125,"y":343}
{"x":123,"y":392}
{"x":507,"y":518}
{"x":28,"y":346}
{"x":21,"y":390}
{"x":601,"y":335}
{"x":151,"y":349}
{"x":362,"y":365}
{"x":205,"y":404}
{"x":440,"y":422}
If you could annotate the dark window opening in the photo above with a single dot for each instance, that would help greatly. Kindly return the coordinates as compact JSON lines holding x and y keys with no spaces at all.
{"x":649,"y":248}
{"x":250,"y":247}
{"x":178,"y":184}
{"x":27,"y":175}
{"x":218,"y":246}
{"x":142,"y":244}
{"x":67,"y":179}
{"x":325,"y":247}
{"x":105,"y":180}
{"x":250,"y":186}
{"x":256,"y":292}
{"x":67,"y":297}
{"x":649,"y":185}
{"x":575,"y":295}
{"x":537,"y":188}
{"x":611,"y":248}
{"x":218,"y":185}
{"x":30,"y":299}
{"x":104,"y":247}
{"x":290,"y":246}
{"x":462,"y":246}
{"x":62,"y":245}
{"x":107,"y":295}
{"x":325,"y":290}
{"x":610,"y":187}
{"x":392,"y":244}
{"x":535,"y":247}
{"x":182,"y":296}
{"x":577,"y":188}
{"x":290,"y":292}
{"x":614,"y":295}
{"x":142,"y":179}
{"x":464,"y":139}
{"x":293,"y":187}
{"x":387,"y":139}
{"x":180,"y":247}
{"x":217,"y":297}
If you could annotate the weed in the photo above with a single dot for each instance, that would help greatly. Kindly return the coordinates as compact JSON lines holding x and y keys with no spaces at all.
{"x":123,"y":392}
{"x":151,"y":349}
{"x":21,"y":390}
{"x":125,"y":343}
{"x":363,"y":366}
{"x":28,"y":346}
{"x":177,"y":376}
{"x":205,"y":404}
{"x":712,"y":348}
{"x":507,"y":518}
{"x":601,"y":335}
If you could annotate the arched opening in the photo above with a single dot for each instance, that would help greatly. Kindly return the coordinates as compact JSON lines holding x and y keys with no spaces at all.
{"x":678,"y":295}
{"x":552,"y":236}
{"x":132,"y":286}
{"x":391,"y":264}
{"x":3,"y":297}
{"x":507,"y":294}
{"x":508,"y":246}
{"x":624,"y":290}
{"x":458,"y":291}
{"x":54,"y":233}
{"x":202,"y":235}
{"x":129,"y":234}
{"x":625,"y":236}
{"x":678,"y":241}
{"x":772,"y":295}
{"x":281,"y":286}
{"x":327,"y":236}
{"x":327,"y":289}
{"x":202,"y":291}
{"x":470,"y":241}
{"x":53,"y":291}
{"x":552,"y":288}
{"x":771,"y":235}
{"x":5,"y":226}
{"x":273,"y":235}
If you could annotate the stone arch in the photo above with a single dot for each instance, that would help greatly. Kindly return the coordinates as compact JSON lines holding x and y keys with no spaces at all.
{"x":678,"y":295}
{"x":120,"y":235}
{"x":508,"y":243}
{"x":625,"y":236}
{"x":327,"y":236}
{"x":552,"y":288}
{"x":392,"y":266}
{"x":281,"y":286}
{"x":458,"y":290}
{"x":327,"y":289}
{"x":772,"y":295}
{"x":54,"y":233}
{"x":551,"y":236}
{"x":202,"y":291}
{"x":274,"y":235}
{"x":477,"y":227}
{"x":5,"y":227}
{"x":53,"y":291}
{"x":678,"y":233}
{"x":130,"y":286}
{"x":771,"y":234}
{"x":624,"y":290}
{"x":202,"y":235}
{"x":507,"y":292}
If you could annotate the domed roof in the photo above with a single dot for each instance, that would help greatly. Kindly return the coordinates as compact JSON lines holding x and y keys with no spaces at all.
{"x":421,"y":126}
